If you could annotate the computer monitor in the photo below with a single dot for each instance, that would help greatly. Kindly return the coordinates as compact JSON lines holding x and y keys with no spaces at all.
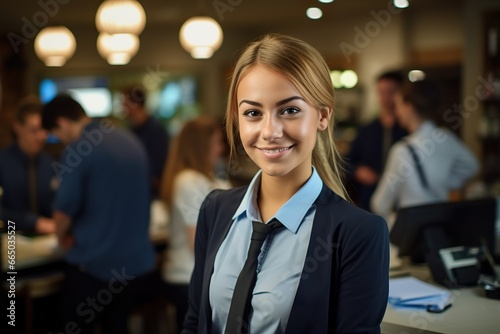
{"x":429,"y":228}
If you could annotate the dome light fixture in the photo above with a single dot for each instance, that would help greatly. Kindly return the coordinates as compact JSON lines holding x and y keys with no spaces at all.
{"x":55,"y":45}
{"x":120,"y":17}
{"x":201,"y":36}
{"x":117,"y":49}
{"x":314,"y":13}
{"x":416,"y":75}
{"x":401,"y":3}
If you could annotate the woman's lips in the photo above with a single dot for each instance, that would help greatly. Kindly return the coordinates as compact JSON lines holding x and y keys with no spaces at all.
{"x":274,"y":152}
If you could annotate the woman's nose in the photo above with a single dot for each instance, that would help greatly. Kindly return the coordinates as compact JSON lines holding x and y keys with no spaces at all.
{"x":271,"y":128}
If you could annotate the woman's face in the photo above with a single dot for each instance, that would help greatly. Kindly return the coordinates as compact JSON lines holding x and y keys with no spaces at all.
{"x":277,"y":127}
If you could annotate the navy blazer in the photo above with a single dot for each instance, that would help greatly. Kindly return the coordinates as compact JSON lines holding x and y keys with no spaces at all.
{"x":344,"y":283}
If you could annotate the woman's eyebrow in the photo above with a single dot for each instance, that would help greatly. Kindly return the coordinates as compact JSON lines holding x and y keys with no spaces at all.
{"x":253,"y":103}
{"x":279,"y":103}
{"x":288,"y":100}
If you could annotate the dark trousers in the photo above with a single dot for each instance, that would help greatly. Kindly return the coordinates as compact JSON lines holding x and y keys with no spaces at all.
{"x":88,"y":301}
{"x":177,"y":294}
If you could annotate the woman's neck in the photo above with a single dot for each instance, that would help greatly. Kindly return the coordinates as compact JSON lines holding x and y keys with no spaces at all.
{"x":414,"y":124}
{"x":275,"y":191}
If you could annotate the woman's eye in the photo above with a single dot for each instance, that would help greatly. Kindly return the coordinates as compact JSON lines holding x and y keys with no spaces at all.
{"x":290,"y":111}
{"x":251,"y":113}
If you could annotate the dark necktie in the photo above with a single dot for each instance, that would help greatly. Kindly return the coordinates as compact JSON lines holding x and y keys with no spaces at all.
{"x":237,"y":320}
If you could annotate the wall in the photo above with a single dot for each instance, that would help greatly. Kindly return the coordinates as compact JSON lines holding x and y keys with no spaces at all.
{"x":473,"y":67}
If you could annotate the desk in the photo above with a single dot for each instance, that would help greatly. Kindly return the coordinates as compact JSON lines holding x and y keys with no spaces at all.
{"x":43,"y":250}
{"x":471,"y":312}
{"x":32,"y":251}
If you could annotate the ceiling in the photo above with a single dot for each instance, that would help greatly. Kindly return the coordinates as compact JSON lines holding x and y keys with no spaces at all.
{"x":242,"y":13}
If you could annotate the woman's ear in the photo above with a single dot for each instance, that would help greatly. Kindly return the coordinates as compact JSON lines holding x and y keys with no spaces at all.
{"x":325,"y":113}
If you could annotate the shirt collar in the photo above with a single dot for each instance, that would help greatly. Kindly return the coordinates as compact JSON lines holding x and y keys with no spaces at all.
{"x":292,"y":212}
{"x":21,"y":155}
{"x":425,"y":128}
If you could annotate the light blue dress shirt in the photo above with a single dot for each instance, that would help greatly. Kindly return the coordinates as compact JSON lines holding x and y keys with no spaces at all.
{"x":281,"y":259}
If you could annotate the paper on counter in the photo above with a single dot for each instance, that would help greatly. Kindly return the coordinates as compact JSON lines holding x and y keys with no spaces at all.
{"x":412,"y":292}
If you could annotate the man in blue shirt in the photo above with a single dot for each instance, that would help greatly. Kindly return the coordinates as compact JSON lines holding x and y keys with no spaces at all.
{"x":26,"y":174}
{"x":102,"y":217}
{"x":151,"y":133}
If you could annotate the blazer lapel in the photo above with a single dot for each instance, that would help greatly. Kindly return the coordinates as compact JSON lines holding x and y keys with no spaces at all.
{"x":222,"y":222}
{"x":314,"y":287}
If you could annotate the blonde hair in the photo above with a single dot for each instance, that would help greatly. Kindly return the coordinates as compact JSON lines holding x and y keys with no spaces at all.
{"x":304,"y":66}
{"x":190,"y":149}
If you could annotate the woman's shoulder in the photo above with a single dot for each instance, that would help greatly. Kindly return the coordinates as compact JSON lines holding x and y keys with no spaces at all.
{"x":350,"y":217}
{"x":362,"y":226}
{"x":359,"y":215}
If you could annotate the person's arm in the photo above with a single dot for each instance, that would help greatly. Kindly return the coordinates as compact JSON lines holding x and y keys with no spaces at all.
{"x":200,"y":252}
{"x":25,"y":220}
{"x":68,"y":202}
{"x":63,"y":225}
{"x":45,"y":225}
{"x":385,"y":197}
{"x":363,"y":285}
{"x":465,"y":165}
{"x":359,"y":171}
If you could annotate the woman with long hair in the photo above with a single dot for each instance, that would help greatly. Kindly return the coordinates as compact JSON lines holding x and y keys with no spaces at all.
{"x":287,"y":253}
{"x":188,"y":178}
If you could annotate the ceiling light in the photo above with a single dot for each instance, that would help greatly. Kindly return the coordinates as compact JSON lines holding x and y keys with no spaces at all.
{"x":55,"y":45}
{"x":201,"y":36}
{"x":326,"y":1}
{"x":348,"y":78}
{"x":314,"y":13}
{"x":401,"y":3}
{"x":335,"y":76}
{"x":117,"y":49}
{"x":416,"y":75}
{"x":120,"y":17}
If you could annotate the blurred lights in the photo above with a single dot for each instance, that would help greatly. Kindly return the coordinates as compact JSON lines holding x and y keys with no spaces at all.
{"x":201,"y":36}
{"x":335,"y":76}
{"x":416,"y":75}
{"x":119,"y":22}
{"x":314,"y":13}
{"x":117,"y":49}
{"x":325,"y":1}
{"x":401,"y":3}
{"x":55,"y":45}
{"x":120,"y":17}
{"x":344,"y":79}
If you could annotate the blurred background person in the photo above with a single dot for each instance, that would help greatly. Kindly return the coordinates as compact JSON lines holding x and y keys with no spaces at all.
{"x":26,"y":174}
{"x":150,"y":131}
{"x":426,"y":165}
{"x":369,"y":149}
{"x":102,"y":217}
{"x":188,"y":178}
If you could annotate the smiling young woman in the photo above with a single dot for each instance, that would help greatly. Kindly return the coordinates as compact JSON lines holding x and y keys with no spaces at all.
{"x":308,"y":274}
